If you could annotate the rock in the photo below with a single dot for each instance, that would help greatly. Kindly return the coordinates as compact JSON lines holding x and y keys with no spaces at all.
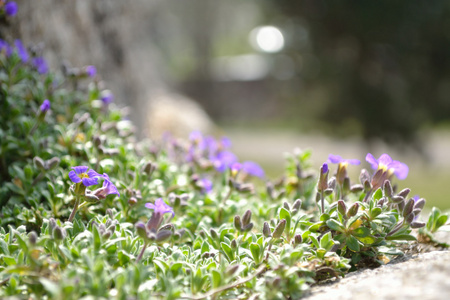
{"x":423,"y":276}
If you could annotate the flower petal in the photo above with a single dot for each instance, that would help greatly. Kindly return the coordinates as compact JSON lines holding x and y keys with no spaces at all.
{"x":372,"y":161}
{"x":385,"y":160}
{"x":150,"y":205}
{"x":80,"y":169}
{"x":92,"y":174}
{"x":354,"y":162}
{"x":74,"y":177}
{"x":334,"y":159}
{"x":400,"y":169}
{"x":253,"y":169}
{"x":90,"y":181}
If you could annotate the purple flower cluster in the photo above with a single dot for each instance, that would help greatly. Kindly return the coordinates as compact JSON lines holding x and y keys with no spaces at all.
{"x":11,"y":8}
{"x":38,"y":62}
{"x":216,"y":151}
{"x":160,"y":207}
{"x":388,"y":165}
{"x":82,"y":174}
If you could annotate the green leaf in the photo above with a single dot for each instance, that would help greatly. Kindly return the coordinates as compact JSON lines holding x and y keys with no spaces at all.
{"x":228,"y":252}
{"x":285,"y":214}
{"x":4,"y":247}
{"x":324,"y":217}
{"x":51,"y":287}
{"x":361,"y":232}
{"x":256,"y":252}
{"x":375,"y":212}
{"x":10,"y":261}
{"x":314,"y":241}
{"x":441,"y":221}
{"x":160,"y":266}
{"x":315,"y":227}
{"x":216,"y":278}
{"x":205,"y":247}
{"x":377,"y":195}
{"x":352,"y":243}
{"x":367,"y":240}
{"x":401,"y":237}
{"x":335,"y":225}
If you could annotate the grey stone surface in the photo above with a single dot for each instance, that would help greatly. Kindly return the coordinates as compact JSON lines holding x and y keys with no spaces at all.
{"x":423,"y":276}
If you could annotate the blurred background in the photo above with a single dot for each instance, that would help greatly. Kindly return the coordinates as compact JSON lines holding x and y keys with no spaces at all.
{"x":340,"y":77}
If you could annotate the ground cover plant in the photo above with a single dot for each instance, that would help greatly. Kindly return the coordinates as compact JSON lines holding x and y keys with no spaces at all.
{"x":88,"y":211}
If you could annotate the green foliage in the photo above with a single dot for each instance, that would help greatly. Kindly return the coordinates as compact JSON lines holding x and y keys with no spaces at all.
{"x":231,"y":240}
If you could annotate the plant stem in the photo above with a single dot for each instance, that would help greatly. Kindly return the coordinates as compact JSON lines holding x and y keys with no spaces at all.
{"x":227,"y":287}
{"x":75,"y":208}
{"x":142,"y":253}
{"x":322,"y":201}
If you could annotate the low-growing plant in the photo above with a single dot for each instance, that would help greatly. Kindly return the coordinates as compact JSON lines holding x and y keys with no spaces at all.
{"x":174,"y":219}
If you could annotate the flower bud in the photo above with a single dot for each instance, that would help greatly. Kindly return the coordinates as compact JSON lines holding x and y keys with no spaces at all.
{"x":387,"y":189}
{"x":248,"y":227}
{"x":233,"y":244}
{"x":163,"y":235}
{"x":378,"y":179}
{"x":323,"y":178}
{"x":409,"y":218}
{"x":356,"y":188}
{"x":409,"y":206}
{"x":297,"y":205}
{"x":298,"y":239}
{"x":237,"y":223}
{"x":39,"y":163}
{"x":32,"y":237}
{"x":214,"y":234}
{"x":169,"y":227}
{"x":419,"y":204}
{"x":141,"y":230}
{"x":52,"y":224}
{"x":342,"y":208}
{"x":246,"y":218}
{"x":397,"y":199}
{"x":346,"y":185}
{"x":279,"y":229}
{"x":91,"y":196}
{"x":266,"y":230}
{"x":353,"y":210}
{"x":286,"y":206}
{"x":404,"y":193}
{"x":417,"y":224}
{"x":332,"y":183}
{"x":364,"y":177}
{"x":132,"y":201}
{"x":52,"y":163}
{"x":58,"y":233}
{"x":231,"y":269}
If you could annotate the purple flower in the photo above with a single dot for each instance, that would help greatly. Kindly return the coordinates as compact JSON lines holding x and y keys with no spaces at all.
{"x":107,"y":96}
{"x":386,"y":163}
{"x":91,"y":71}
{"x":225,"y":142}
{"x":223,"y":160}
{"x":108,"y":188}
{"x":252,"y":168}
{"x":324,"y":168}
{"x":206,"y":185}
{"x":11,"y":8}
{"x":21,"y":51}
{"x":81,"y":174}
{"x":40,"y":64}
{"x":5,"y":47}
{"x":160,"y":207}
{"x":45,"y":106}
{"x":336,"y":159}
